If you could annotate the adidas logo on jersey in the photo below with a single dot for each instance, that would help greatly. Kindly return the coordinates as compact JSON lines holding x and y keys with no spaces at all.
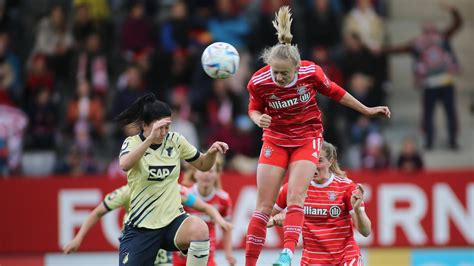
{"x":274,"y":97}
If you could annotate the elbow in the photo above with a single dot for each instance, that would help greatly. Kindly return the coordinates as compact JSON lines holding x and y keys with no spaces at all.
{"x":124,"y":166}
{"x":366,"y":230}
{"x":365,"y":233}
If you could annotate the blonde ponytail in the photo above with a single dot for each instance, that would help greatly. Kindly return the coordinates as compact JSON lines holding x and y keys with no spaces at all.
{"x":284,"y":50}
{"x":282,"y":24}
{"x":331,"y":154}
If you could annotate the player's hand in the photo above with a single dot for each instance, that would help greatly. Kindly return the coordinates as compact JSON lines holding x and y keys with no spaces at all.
{"x":357,"y":197}
{"x":276,"y":220}
{"x":225,"y":225}
{"x":218,"y":146}
{"x":378,"y":110}
{"x":263,"y":121}
{"x":231,"y":259}
{"x":159,"y":130}
{"x":72,"y":246}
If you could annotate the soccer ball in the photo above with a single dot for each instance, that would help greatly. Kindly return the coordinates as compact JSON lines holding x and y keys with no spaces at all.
{"x":220,"y":60}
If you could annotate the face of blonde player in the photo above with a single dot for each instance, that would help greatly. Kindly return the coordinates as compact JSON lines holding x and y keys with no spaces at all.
{"x":206,"y":179}
{"x":283,"y":71}
{"x":323,"y":168}
{"x":148,"y":127}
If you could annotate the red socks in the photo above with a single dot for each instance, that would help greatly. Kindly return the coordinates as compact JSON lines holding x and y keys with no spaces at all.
{"x":292,"y":226}
{"x":256,"y":234}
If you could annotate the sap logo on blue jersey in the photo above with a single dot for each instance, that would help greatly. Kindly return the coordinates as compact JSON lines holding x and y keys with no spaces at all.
{"x":160,"y":173}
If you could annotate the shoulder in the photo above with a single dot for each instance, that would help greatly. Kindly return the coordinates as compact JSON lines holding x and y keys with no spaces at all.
{"x":309,"y":69}
{"x":344,"y":182}
{"x":132,"y":139}
{"x":260,"y":75}
{"x":222,"y":194}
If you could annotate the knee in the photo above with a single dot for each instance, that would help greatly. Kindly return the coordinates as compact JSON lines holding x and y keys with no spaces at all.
{"x":296,"y":196}
{"x":199,"y":231}
{"x":265,"y":207}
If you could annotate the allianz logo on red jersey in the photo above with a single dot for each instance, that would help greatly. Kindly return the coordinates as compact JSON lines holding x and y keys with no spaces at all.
{"x":303,"y":97}
{"x":334,"y":211}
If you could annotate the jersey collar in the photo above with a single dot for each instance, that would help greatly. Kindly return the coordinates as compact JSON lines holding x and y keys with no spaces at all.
{"x":292,"y":83}
{"x":325,"y":184}
{"x":152,"y":146}
{"x":204,"y":198}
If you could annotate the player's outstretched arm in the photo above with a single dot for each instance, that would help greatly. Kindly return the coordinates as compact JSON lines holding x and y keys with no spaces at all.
{"x":206,"y":161}
{"x":91,"y":220}
{"x":202,"y":206}
{"x":359,"y":217}
{"x":227,"y":246}
{"x":351,"y":102}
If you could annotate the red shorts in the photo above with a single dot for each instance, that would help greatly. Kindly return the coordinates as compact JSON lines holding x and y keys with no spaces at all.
{"x":282,"y":156}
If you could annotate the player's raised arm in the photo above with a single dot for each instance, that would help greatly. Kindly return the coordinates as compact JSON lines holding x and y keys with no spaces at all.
{"x":134,"y":114}
{"x":359,"y":217}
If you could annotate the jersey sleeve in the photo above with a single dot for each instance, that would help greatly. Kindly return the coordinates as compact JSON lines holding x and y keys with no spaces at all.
{"x":187,"y":151}
{"x":117,"y":198}
{"x":280,"y":203}
{"x":255,"y":101}
{"x":327,"y":87}
{"x":347,"y":198}
{"x":129,"y":144}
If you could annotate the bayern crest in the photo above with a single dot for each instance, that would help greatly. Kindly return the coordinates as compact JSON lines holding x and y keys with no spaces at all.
{"x":267,"y":152}
{"x":303,"y":93}
{"x":332,"y":196}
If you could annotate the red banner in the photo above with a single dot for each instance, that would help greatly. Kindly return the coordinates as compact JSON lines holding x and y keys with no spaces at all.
{"x":425,"y":209}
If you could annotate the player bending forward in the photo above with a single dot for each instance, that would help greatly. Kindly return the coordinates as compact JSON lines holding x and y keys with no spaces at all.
{"x":333,"y":206}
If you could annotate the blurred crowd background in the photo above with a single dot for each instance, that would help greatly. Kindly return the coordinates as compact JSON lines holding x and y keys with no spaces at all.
{"x":67,"y":68}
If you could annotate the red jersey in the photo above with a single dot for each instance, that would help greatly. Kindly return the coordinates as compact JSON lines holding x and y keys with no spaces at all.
{"x":328,"y":236}
{"x":220,"y":200}
{"x":296,"y":118}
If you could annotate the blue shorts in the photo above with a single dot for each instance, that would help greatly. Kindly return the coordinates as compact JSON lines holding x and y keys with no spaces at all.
{"x":139,"y":246}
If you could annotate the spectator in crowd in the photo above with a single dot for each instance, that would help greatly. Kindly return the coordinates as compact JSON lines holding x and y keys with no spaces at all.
{"x":360,"y":126}
{"x":83,"y":24}
{"x":325,"y":29}
{"x":13,"y":123}
{"x":137,"y":32}
{"x":54,"y":39}
{"x":43,"y":117}
{"x":409,"y":160}
{"x":75,"y":163}
{"x":366,"y":23}
{"x":174,"y":31}
{"x":181,"y":115}
{"x":38,"y":77}
{"x":228,"y":25}
{"x":10,"y":78}
{"x":99,"y":9}
{"x":85,"y":115}
{"x":130,"y":87}
{"x":92,"y":65}
{"x":375,"y":154}
{"x":435,"y":65}
{"x":3,"y":150}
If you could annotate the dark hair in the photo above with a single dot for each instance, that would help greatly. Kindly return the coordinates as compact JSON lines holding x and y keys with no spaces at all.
{"x":145,"y":109}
